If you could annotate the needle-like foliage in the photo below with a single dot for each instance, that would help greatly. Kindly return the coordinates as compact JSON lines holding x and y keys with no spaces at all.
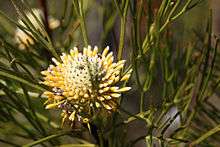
{"x":171,"y":76}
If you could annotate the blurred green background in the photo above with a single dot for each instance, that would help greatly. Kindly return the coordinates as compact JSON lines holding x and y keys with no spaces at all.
{"x":184,"y":30}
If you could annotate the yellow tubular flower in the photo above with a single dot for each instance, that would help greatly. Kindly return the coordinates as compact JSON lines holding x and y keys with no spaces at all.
{"x":84,"y":84}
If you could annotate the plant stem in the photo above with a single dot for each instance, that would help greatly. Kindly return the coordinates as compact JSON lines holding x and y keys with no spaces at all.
{"x":43,"y":4}
{"x":19,"y":79}
{"x":122,"y":30}
{"x":118,"y":8}
{"x":142,"y":102}
{"x":122,"y":38}
{"x":83,"y":25}
{"x":206,"y":135}
{"x":46,"y":139}
{"x":78,"y":6}
{"x":101,"y":141}
{"x":9,"y":143}
{"x":170,"y":18}
{"x":45,"y":119}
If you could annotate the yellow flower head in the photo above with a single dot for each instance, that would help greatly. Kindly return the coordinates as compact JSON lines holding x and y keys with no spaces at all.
{"x":84,"y":84}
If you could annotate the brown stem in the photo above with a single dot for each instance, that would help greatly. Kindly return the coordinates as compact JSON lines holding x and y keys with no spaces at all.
{"x":43,"y":4}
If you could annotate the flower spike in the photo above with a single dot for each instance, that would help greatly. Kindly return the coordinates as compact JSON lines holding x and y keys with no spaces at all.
{"x":84,"y":84}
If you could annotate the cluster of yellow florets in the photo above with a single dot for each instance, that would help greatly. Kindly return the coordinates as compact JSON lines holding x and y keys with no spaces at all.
{"x":84,"y":83}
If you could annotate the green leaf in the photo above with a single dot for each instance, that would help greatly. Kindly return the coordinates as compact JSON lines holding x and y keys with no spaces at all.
{"x":9,"y":74}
